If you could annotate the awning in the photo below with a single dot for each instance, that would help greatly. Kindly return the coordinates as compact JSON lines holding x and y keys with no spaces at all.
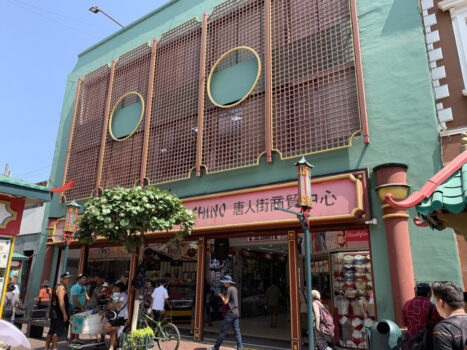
{"x":19,"y":188}
{"x":442,"y":201}
{"x":450,"y":196}
{"x":17,"y":256}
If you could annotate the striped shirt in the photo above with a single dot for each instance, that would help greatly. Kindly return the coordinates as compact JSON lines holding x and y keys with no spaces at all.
{"x":451,"y":333}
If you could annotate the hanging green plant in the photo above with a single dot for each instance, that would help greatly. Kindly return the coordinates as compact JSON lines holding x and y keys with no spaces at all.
{"x":124,"y":215}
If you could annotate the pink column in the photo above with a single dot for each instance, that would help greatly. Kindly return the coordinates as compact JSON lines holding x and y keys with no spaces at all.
{"x":202,"y":79}
{"x":393,"y":176}
{"x":359,"y":72}
{"x":48,"y":261}
{"x":200,"y":278}
{"x":268,"y":79}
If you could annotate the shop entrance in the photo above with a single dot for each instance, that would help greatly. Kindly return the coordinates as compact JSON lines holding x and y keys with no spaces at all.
{"x":259,"y":267}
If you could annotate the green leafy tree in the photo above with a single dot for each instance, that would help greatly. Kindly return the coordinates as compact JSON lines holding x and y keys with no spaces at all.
{"x":124,"y":215}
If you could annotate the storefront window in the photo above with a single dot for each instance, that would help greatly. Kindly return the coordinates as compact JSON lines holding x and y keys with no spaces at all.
{"x":341,"y":270}
{"x":110,"y":263}
{"x":354,"y":303}
{"x":176,"y":263}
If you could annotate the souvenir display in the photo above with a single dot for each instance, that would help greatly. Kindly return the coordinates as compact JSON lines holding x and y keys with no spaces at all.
{"x":354,"y":306}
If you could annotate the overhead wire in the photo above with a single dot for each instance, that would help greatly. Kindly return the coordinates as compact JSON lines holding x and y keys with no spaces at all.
{"x":39,"y":170}
{"x":80,"y":30}
{"x":57,"y":14}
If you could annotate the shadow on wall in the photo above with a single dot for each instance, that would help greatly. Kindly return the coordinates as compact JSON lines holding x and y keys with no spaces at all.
{"x":400,"y":17}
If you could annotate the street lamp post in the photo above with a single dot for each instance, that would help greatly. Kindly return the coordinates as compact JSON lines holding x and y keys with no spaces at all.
{"x":71,"y":218}
{"x":305,"y":202}
{"x":96,"y":9}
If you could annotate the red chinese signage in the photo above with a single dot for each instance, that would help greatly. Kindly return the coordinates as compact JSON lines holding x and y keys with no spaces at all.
{"x":338,"y":197}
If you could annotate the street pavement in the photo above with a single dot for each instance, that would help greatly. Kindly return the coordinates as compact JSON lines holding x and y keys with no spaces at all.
{"x":185,"y":344}
{"x":38,"y":344}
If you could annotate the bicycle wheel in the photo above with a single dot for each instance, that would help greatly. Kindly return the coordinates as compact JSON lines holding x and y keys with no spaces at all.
{"x":170,"y":337}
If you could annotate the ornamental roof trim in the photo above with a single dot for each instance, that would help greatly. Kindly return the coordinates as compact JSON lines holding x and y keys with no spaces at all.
{"x":451,"y":195}
{"x":22,"y":183}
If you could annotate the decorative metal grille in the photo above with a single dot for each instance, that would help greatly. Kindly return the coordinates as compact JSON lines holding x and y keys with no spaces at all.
{"x":122,"y":159}
{"x":87,"y":134}
{"x":234,"y":137}
{"x":173,"y":133}
{"x":315,"y":104}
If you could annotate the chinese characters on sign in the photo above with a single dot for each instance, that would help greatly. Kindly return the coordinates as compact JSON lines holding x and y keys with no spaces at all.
{"x":339,"y":196}
{"x":260,"y":205}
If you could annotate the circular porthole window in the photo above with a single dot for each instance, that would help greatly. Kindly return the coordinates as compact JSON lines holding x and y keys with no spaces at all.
{"x":126,"y":116}
{"x":233,"y":77}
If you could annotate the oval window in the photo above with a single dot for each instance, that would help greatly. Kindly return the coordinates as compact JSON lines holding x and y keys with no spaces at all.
{"x":126,"y":116}
{"x":233,"y":77}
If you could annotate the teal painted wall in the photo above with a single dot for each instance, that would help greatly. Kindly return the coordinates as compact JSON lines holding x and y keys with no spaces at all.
{"x":402,"y":123}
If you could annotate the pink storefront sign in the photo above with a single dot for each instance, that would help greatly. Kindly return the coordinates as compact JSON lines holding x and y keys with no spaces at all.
{"x":337,"y":197}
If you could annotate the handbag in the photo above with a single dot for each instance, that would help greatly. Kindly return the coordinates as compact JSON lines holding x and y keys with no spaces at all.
{"x":112,"y":315}
{"x":423,"y":339}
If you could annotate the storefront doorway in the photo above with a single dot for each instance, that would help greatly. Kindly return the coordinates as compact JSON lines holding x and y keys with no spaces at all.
{"x":255,"y":263}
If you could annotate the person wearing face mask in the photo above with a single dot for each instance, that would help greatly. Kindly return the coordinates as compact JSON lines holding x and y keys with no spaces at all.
{"x":118,"y":303}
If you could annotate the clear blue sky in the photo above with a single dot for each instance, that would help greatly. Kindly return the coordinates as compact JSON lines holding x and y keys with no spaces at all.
{"x":40,"y":43}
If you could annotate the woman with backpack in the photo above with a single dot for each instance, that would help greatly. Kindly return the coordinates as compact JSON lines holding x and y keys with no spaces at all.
{"x":11,"y":304}
{"x":323,"y":323}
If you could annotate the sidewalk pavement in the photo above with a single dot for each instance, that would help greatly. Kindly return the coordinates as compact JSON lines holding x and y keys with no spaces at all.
{"x":38,"y":344}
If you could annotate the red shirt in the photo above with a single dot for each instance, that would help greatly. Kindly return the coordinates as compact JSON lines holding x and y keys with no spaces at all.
{"x":415,"y":315}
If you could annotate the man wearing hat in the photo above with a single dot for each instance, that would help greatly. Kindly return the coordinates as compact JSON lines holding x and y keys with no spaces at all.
{"x":232,"y":316}
{"x":59,"y":312}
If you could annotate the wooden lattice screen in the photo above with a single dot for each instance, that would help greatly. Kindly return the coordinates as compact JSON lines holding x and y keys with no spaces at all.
{"x":314,"y":93}
{"x":173,"y":131}
{"x":315,"y":106}
{"x":122,"y":159}
{"x":234,"y":137}
{"x":86,"y":135}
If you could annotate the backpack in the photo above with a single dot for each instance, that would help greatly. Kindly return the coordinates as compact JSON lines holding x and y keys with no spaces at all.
{"x":326,"y":323}
{"x":8,"y":308}
{"x":461,"y":323}
{"x":423,"y":339}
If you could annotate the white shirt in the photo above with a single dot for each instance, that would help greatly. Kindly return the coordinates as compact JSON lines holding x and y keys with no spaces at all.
{"x":159,"y":295}
{"x":122,"y":298}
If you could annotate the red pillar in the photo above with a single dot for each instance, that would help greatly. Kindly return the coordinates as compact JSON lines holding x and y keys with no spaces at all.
{"x":48,"y":261}
{"x":392,"y":178}
{"x":83,"y":259}
{"x":295,"y":331}
{"x":200,"y":277}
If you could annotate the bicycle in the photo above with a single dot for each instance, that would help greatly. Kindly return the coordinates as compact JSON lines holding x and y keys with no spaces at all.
{"x":166,"y":334}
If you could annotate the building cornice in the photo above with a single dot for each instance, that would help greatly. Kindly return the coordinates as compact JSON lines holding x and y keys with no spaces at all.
{"x":452,"y":4}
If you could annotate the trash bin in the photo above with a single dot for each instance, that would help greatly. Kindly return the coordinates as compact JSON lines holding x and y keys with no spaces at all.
{"x":36,"y":332}
{"x":384,"y":335}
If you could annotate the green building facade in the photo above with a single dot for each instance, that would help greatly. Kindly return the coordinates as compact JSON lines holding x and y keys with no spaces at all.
{"x":400,"y":112}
